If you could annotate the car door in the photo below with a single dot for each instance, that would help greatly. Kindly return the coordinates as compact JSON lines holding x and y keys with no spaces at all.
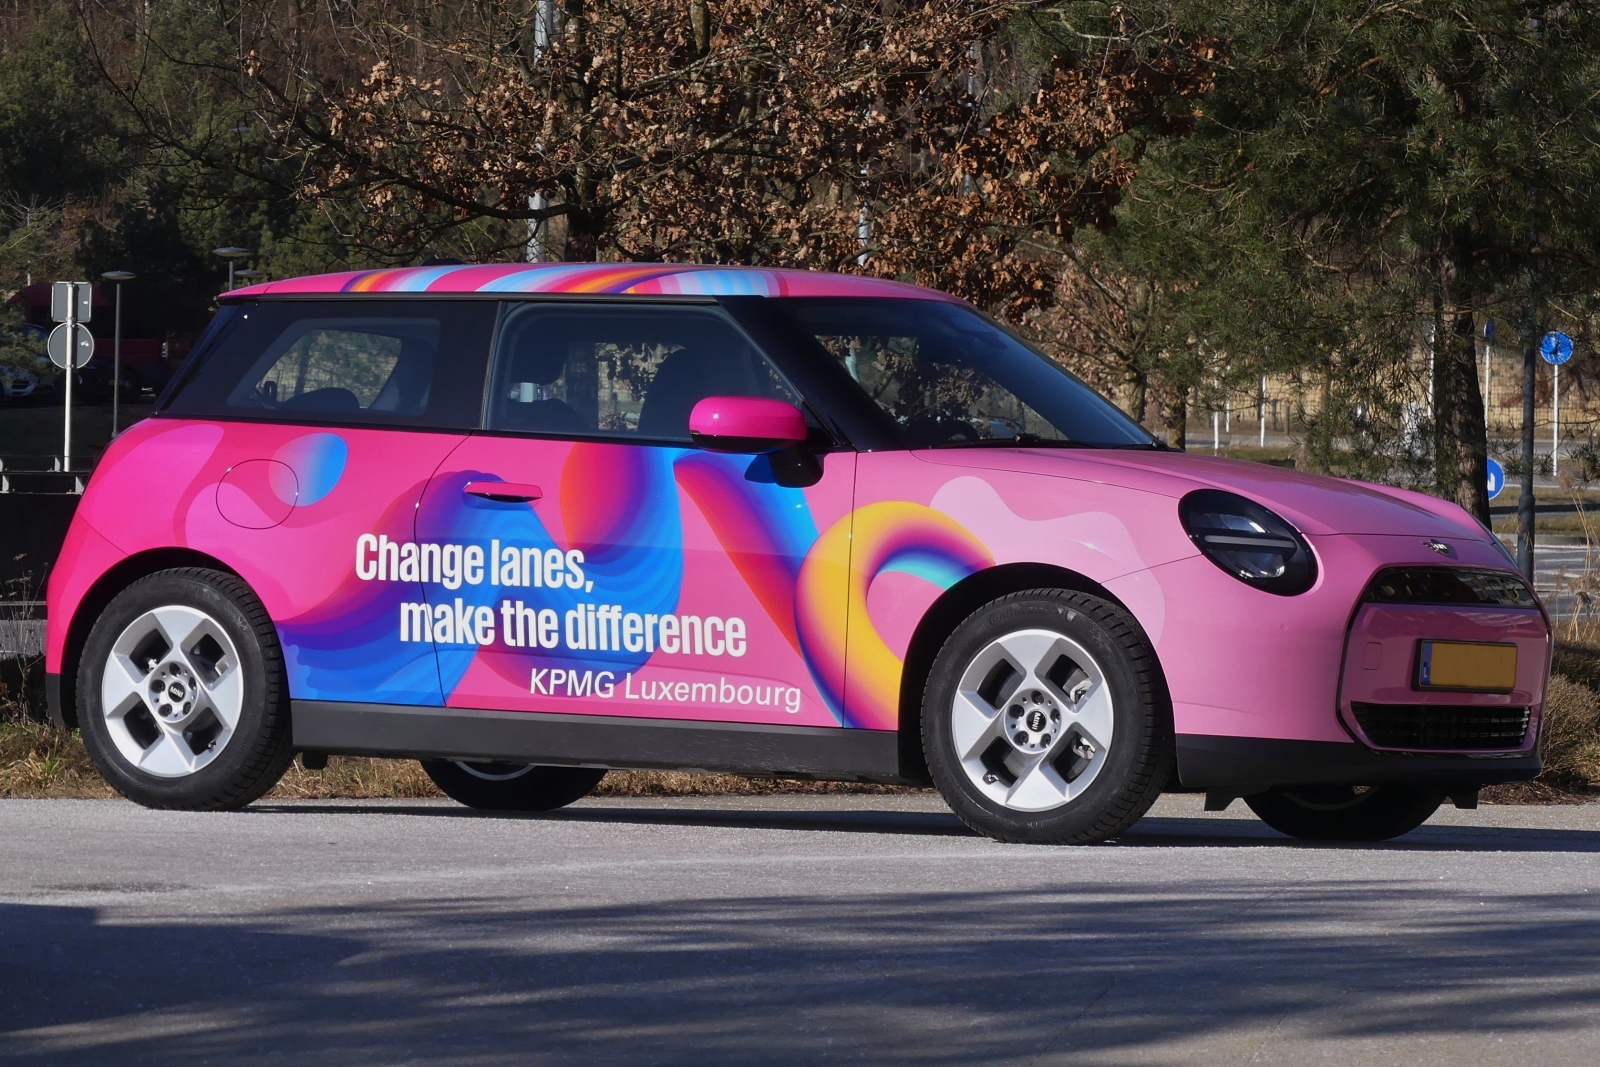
{"x":582,"y":555}
{"x":333,"y":415}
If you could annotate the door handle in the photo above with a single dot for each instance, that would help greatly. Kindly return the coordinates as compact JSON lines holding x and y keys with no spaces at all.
{"x":504,"y":492}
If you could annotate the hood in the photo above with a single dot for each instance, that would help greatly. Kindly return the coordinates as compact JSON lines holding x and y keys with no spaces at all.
{"x":1315,"y":504}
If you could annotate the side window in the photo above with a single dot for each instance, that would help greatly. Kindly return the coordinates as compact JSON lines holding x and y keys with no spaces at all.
{"x":345,"y":365}
{"x":415,"y":363}
{"x":611,"y":371}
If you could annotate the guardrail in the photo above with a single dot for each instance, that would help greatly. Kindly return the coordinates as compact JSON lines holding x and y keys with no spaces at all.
{"x":38,"y":497}
{"x":21,"y":628}
{"x":41,"y":474}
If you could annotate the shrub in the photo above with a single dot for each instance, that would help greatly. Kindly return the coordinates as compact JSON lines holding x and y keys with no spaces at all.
{"x":1571,"y":734}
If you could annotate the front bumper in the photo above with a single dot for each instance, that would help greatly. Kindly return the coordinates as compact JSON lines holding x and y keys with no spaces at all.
{"x":1288,"y":680}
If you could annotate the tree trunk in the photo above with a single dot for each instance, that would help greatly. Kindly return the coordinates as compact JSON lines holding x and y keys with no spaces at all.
{"x":1175,"y":414}
{"x":1460,"y":441}
{"x":700,"y":27}
{"x":1138,"y":395}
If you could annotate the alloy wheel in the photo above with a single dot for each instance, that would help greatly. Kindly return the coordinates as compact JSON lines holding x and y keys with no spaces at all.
{"x":1032,"y":720}
{"x":172,"y":691}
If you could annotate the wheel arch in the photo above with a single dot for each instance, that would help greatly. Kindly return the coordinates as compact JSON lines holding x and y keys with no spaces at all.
{"x":948,"y":611}
{"x":64,"y":702}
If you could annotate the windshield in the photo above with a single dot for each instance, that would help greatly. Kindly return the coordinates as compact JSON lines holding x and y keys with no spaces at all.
{"x":949,"y":377}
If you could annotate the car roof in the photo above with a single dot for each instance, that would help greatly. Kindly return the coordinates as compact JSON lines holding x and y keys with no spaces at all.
{"x":633,"y":279}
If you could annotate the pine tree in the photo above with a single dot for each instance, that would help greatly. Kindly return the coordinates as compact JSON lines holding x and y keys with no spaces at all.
{"x":1374,"y":175}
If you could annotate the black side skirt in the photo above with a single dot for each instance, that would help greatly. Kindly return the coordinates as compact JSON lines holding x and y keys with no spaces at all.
{"x":595,"y":741}
{"x":1252,"y":764}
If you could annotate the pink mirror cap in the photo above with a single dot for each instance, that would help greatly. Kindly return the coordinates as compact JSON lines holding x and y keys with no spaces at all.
{"x":746,"y":424}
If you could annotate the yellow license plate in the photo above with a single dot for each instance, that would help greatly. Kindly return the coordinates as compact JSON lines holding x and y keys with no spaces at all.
{"x":1467,"y":665}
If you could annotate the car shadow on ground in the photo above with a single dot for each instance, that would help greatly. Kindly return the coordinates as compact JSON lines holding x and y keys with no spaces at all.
{"x":1150,"y":832}
{"x":1080,"y":973}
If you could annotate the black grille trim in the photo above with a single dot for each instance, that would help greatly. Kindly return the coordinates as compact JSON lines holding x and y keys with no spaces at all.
{"x":1443,"y":727}
{"x":1450,"y":586}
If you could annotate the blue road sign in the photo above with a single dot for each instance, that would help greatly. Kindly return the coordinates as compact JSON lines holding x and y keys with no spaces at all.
{"x":1556,"y":347}
{"x":1488,"y":330}
{"x":1497,"y":478}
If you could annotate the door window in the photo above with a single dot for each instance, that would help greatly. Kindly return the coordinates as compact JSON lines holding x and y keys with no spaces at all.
{"x":626,"y":373}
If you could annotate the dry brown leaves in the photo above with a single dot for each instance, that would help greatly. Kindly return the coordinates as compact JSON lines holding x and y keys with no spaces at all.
{"x":761,"y":140}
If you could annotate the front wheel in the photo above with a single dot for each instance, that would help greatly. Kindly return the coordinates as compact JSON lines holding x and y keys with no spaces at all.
{"x":1044,"y":719}
{"x":1345,"y":813}
{"x":512,"y":786}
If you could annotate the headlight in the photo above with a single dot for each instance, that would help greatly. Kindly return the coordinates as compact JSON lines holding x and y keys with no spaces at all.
{"x":1248,"y":541}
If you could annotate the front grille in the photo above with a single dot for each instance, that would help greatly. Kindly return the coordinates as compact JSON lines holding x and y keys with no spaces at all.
{"x":1449,"y":585}
{"x":1446,"y":727}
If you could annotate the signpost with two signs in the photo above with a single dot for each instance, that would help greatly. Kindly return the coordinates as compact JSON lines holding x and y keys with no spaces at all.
{"x":71,"y":345}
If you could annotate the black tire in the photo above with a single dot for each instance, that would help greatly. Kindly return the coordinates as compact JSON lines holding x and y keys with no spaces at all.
{"x":1345,"y":813}
{"x":1129,"y":768}
{"x":512,"y":786}
{"x":238,"y":766}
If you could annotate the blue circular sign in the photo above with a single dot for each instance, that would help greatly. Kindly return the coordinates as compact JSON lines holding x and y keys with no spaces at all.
{"x":1556,"y":347}
{"x":1497,"y":478}
{"x":1488,"y":330}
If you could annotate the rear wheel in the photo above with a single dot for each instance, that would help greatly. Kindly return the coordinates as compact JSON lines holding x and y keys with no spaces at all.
{"x":512,"y":786}
{"x":1044,"y":720}
{"x":1346,"y":813}
{"x":181,"y":693}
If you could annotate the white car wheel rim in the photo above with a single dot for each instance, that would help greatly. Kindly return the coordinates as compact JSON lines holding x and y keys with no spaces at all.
{"x":172,"y":691}
{"x":1032,"y":720}
{"x":494,"y":772}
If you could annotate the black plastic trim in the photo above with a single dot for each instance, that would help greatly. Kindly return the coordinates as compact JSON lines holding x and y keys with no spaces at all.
{"x":596,"y":740}
{"x":52,"y":699}
{"x":1252,"y":764}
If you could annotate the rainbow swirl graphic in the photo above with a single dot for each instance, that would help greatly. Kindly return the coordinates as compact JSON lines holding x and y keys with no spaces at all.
{"x":630,"y":534}
{"x":833,"y":585}
{"x":765,"y":528}
{"x":317,"y":460}
{"x":346,"y":648}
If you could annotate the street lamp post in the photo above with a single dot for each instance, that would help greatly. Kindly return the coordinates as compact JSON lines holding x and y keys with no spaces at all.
{"x":249,"y":274}
{"x":118,"y":277}
{"x":232,"y":255}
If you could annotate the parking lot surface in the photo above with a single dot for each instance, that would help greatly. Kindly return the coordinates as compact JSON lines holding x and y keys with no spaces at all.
{"x":787,"y":930}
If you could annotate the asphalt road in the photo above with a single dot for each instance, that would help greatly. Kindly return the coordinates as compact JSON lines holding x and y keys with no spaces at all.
{"x":787,"y":930}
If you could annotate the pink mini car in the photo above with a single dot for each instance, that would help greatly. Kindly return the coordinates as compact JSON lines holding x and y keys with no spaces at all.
{"x":527,"y":523}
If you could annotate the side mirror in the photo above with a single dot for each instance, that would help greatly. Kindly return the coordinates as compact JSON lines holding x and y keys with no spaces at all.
{"x":746,"y":424}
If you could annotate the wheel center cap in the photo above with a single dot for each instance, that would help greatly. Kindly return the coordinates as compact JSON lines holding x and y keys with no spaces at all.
{"x":1036,"y":720}
{"x":175,"y":691}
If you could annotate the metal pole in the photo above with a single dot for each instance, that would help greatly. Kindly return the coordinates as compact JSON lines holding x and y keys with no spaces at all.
{"x":1555,"y":419}
{"x":230,"y":275}
{"x":1525,"y":512}
{"x":72,"y":361}
{"x":116,"y":364}
{"x":1488,"y":371}
{"x":1261,"y":413}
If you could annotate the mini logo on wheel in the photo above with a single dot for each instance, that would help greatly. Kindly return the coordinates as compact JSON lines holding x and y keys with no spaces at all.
{"x":1036,"y":720}
{"x":1438,"y":546}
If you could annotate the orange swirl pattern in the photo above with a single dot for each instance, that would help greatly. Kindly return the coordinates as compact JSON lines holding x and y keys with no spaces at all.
{"x":834,"y":580}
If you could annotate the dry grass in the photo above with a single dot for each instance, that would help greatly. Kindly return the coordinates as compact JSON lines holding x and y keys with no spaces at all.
{"x":38,"y":760}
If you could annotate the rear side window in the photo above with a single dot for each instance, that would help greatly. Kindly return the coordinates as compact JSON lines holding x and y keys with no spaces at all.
{"x":613,"y":371}
{"x":359,"y":361}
